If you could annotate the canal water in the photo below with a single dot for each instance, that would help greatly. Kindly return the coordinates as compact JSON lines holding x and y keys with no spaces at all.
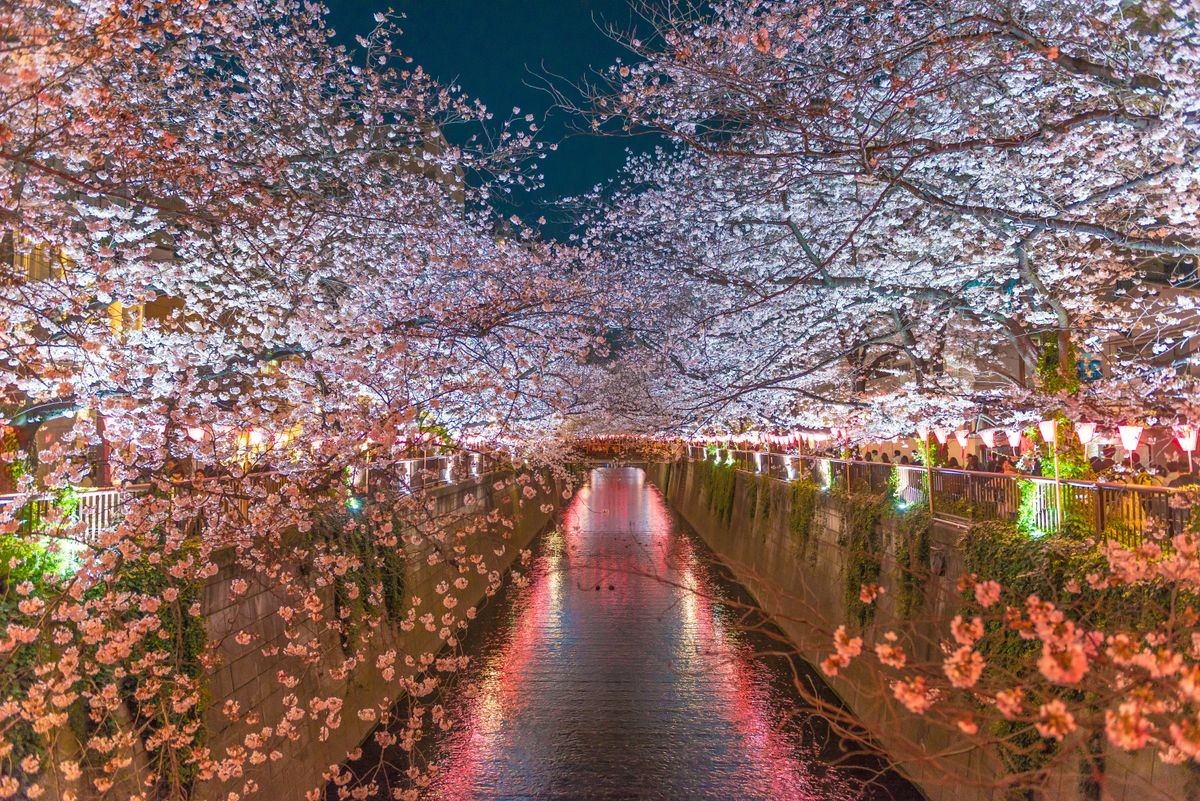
{"x":624,"y":671}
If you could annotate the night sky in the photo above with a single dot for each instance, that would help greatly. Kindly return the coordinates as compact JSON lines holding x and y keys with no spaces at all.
{"x":490,"y":47}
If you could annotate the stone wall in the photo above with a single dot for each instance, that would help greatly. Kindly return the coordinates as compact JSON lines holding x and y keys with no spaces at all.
{"x":804,"y":592}
{"x":243,"y":675}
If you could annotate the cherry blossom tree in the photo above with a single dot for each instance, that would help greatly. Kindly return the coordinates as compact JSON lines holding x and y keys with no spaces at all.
{"x":264,"y":278}
{"x":876,"y":206}
{"x":877,"y":215}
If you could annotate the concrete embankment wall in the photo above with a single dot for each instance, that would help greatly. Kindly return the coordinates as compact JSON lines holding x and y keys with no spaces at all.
{"x":805,"y":591}
{"x":246,"y":676}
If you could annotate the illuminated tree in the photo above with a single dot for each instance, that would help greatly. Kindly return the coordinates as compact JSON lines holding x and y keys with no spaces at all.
{"x":255,"y":270}
{"x":877,"y":206}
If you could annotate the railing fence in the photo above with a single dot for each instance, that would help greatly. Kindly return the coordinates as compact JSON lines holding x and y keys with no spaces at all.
{"x":90,"y":512}
{"x":1119,"y":511}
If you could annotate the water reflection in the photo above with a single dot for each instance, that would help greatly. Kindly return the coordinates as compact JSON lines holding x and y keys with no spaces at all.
{"x":613,"y":675}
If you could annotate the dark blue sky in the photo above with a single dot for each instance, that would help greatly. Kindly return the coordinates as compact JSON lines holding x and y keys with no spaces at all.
{"x":491,"y":46}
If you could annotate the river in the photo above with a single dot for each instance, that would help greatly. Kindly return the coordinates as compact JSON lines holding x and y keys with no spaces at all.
{"x":624,"y":671}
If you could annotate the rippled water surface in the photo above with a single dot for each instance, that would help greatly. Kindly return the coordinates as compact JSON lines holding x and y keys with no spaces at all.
{"x":614,"y":675}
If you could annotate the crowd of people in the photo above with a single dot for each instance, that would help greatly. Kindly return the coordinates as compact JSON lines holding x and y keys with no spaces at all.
{"x":1105,"y":466}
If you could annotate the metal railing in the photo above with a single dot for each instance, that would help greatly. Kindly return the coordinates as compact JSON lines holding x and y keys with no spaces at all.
{"x":1119,"y":511}
{"x":87,"y":513}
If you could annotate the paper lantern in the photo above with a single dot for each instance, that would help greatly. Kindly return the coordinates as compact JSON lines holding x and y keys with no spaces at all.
{"x":1014,"y":437}
{"x":942,"y":434}
{"x":923,"y":433}
{"x":1049,"y":429}
{"x":989,"y":437}
{"x":1186,"y":436}
{"x":1086,"y":432}
{"x":1130,"y":436}
{"x":961,"y":435}
{"x":195,"y":434}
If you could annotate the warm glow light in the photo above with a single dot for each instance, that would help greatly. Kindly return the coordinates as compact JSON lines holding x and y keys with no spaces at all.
{"x":195,"y":434}
{"x":1049,"y":429}
{"x":923,"y":433}
{"x":1186,"y":436}
{"x":1086,"y":432}
{"x":942,"y":435}
{"x":961,"y":435}
{"x":1014,"y":437}
{"x":255,"y":437}
{"x":1130,"y":436}
{"x":989,"y":437}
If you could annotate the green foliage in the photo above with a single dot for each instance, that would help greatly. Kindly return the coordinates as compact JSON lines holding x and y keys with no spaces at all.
{"x":928,"y":453}
{"x":1024,"y":566}
{"x":22,"y":560}
{"x":1052,"y":378}
{"x":427,"y":424}
{"x":864,"y":549}
{"x":9,"y":445}
{"x":1027,"y":508}
{"x":803,"y":507}
{"x":752,"y":506}
{"x":378,"y":566}
{"x":913,"y":530}
{"x":720,"y":481}
{"x":958,"y":507}
{"x":184,"y":638}
{"x":762,"y":488}
{"x":1072,"y":462}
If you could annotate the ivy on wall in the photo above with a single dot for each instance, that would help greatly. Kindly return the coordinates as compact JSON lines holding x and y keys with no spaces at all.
{"x":1045,"y":567}
{"x":22,"y":561}
{"x":913,"y":529}
{"x":380,"y":566}
{"x":1053,"y":379}
{"x":762,"y":489}
{"x":803,"y":496}
{"x":183,"y":636}
{"x":863,"y":545}
{"x":719,"y":481}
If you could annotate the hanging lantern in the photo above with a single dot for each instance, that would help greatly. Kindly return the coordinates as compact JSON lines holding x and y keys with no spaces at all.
{"x":942,"y":435}
{"x":1130,"y":435}
{"x":1014,"y":437}
{"x":1086,"y":432}
{"x":989,"y":437}
{"x":1185,"y":435}
{"x":962,"y":435}
{"x":1049,"y":429}
{"x":923,"y":433}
